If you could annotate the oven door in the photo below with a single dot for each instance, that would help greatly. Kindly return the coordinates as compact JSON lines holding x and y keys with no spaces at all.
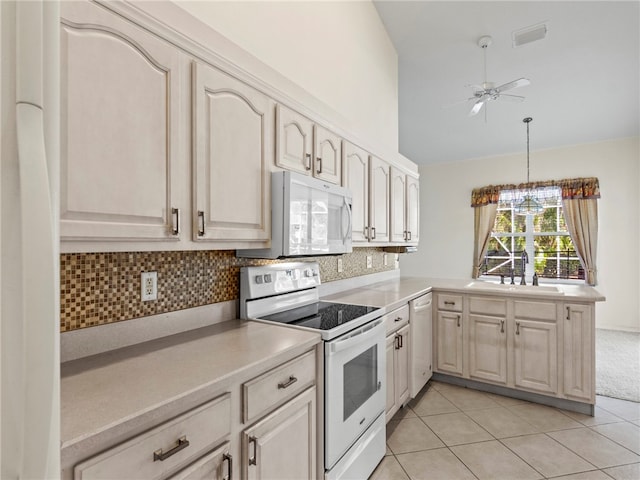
{"x":355,"y":385}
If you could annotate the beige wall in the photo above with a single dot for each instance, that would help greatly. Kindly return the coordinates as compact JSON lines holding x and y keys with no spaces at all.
{"x":337,"y":51}
{"x":446,"y":244}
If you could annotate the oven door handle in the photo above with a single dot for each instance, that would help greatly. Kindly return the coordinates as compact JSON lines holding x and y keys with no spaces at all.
{"x":361,"y":335}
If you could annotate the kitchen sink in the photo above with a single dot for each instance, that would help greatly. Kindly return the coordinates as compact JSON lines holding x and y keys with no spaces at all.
{"x":528,"y":289}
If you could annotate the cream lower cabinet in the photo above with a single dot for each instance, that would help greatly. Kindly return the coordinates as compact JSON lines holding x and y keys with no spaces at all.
{"x":121,"y":135}
{"x":488,"y":348}
{"x":234,"y":130}
{"x":578,"y":349}
{"x":216,"y":465}
{"x":398,"y":352}
{"x":283,"y":444}
{"x":535,"y":356}
{"x":448,"y":339}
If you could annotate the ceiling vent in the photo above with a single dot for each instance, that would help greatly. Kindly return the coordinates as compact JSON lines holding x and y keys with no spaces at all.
{"x":529,"y":34}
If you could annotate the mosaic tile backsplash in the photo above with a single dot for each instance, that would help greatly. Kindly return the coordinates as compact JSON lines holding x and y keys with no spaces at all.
{"x":100,"y":288}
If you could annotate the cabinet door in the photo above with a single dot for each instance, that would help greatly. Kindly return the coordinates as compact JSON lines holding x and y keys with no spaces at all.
{"x":413,"y":209}
{"x":402,"y":366}
{"x":578,"y":352}
{"x":379,"y":196}
{"x":398,"y":230}
{"x":120,"y":139}
{"x":392,"y":406}
{"x":233,"y":126}
{"x":355,"y":176}
{"x":294,"y":142}
{"x":535,"y":354}
{"x":449,"y":342}
{"x":283,"y":444}
{"x":327,"y":155}
{"x":488,"y":348}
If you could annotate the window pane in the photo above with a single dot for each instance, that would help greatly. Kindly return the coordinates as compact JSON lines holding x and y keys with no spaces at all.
{"x":503,"y":221}
{"x":547,"y":221}
{"x":520,"y":223}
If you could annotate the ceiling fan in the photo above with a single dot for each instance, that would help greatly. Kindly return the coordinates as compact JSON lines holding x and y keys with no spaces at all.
{"x":488,"y":90}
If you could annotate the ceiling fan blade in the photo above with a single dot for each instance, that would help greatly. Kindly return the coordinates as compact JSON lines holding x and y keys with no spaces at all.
{"x":455,"y":104}
{"x":521,"y":82}
{"x":505,"y":97}
{"x":478,"y":105}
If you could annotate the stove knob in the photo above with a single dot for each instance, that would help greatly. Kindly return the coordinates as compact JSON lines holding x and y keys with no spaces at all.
{"x":258,"y":278}
{"x":267,"y":278}
{"x":308,"y":273}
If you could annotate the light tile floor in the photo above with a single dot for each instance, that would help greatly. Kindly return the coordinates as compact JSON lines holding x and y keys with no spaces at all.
{"x":450,"y":433}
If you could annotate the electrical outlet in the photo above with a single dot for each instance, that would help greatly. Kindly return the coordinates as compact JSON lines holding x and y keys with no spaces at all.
{"x":385,"y":259}
{"x":149,"y":286}
{"x":369,"y":261}
{"x":339,"y":265}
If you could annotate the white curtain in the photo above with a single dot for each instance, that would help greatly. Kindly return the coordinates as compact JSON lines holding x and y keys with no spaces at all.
{"x":581,"y":217}
{"x":484,"y":220}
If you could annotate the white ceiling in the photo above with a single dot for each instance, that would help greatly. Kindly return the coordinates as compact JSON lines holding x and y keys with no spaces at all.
{"x":585,"y":75}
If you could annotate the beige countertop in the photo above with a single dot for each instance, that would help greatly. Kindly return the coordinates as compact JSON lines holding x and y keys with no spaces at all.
{"x":395,"y":292}
{"x":115,"y":392}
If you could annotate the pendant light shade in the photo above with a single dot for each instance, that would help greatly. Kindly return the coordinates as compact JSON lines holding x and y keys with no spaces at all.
{"x":528,"y":205}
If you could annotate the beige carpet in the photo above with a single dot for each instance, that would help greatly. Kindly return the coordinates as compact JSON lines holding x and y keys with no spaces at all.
{"x":618,"y":364}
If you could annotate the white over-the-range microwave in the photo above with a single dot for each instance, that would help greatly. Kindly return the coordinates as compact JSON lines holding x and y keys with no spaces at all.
{"x":308,"y":217}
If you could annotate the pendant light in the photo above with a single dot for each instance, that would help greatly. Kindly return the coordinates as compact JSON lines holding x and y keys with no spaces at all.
{"x":528,"y":205}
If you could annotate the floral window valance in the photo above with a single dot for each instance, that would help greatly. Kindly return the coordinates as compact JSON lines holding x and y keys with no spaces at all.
{"x":571,"y":188}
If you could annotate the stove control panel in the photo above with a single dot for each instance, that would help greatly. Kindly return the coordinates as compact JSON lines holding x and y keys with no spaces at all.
{"x":263,"y":281}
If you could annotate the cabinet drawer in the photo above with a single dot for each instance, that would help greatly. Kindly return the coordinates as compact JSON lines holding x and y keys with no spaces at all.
{"x":273,"y":388}
{"x":535,"y":310}
{"x":488,"y":306}
{"x":396,"y":319}
{"x":140,"y":457}
{"x":450,"y":302}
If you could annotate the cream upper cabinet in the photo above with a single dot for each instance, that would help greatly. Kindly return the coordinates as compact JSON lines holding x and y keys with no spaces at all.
{"x":327,"y":155}
{"x":283,"y":444}
{"x":233,"y":132}
{"x":405,"y":208}
{"x":305,"y":147}
{"x":355,"y":167}
{"x":121,"y":139}
{"x":413,"y":209}
{"x":379,"y":200}
{"x":579,"y":345}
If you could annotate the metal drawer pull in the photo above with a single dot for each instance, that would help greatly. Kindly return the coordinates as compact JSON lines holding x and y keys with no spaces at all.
{"x":501,"y":326}
{"x":398,"y":319}
{"x":229,"y":459}
{"x":175,"y":212}
{"x":449,"y":303}
{"x":517,"y":328}
{"x":180,"y":445}
{"x":568,"y":313}
{"x":288,"y":383}
{"x":252,"y":459}
{"x":200,"y":223}
{"x":458,"y":320}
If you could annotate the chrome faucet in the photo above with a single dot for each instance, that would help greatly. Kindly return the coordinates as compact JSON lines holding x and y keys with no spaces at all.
{"x":524,"y":258}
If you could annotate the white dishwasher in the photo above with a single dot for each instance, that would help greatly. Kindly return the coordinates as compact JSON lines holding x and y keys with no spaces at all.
{"x":421,"y":321}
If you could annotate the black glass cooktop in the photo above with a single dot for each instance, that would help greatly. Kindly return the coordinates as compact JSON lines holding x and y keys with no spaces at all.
{"x":321,"y":315}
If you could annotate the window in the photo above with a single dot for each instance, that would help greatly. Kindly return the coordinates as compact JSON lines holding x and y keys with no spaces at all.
{"x":544,"y":237}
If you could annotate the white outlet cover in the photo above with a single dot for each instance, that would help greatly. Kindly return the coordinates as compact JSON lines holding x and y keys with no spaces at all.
{"x":340,"y":266}
{"x":149,"y":286}
{"x":369,"y":261}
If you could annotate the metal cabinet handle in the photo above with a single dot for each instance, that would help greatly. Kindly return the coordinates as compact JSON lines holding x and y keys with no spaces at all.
{"x":501,"y":326}
{"x":449,"y":303}
{"x":319,"y":163}
{"x":397,"y":319}
{"x":568,"y":313}
{"x":229,"y":459}
{"x":252,"y":459}
{"x":288,"y":383}
{"x":401,"y":341}
{"x":517,"y":328}
{"x":181,"y":444}
{"x":458,"y":320}
{"x":366,"y":232}
{"x":200,"y":223}
{"x":175,"y":212}
{"x":373,"y":233}
{"x":409,"y":235}
{"x":308,"y":164}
